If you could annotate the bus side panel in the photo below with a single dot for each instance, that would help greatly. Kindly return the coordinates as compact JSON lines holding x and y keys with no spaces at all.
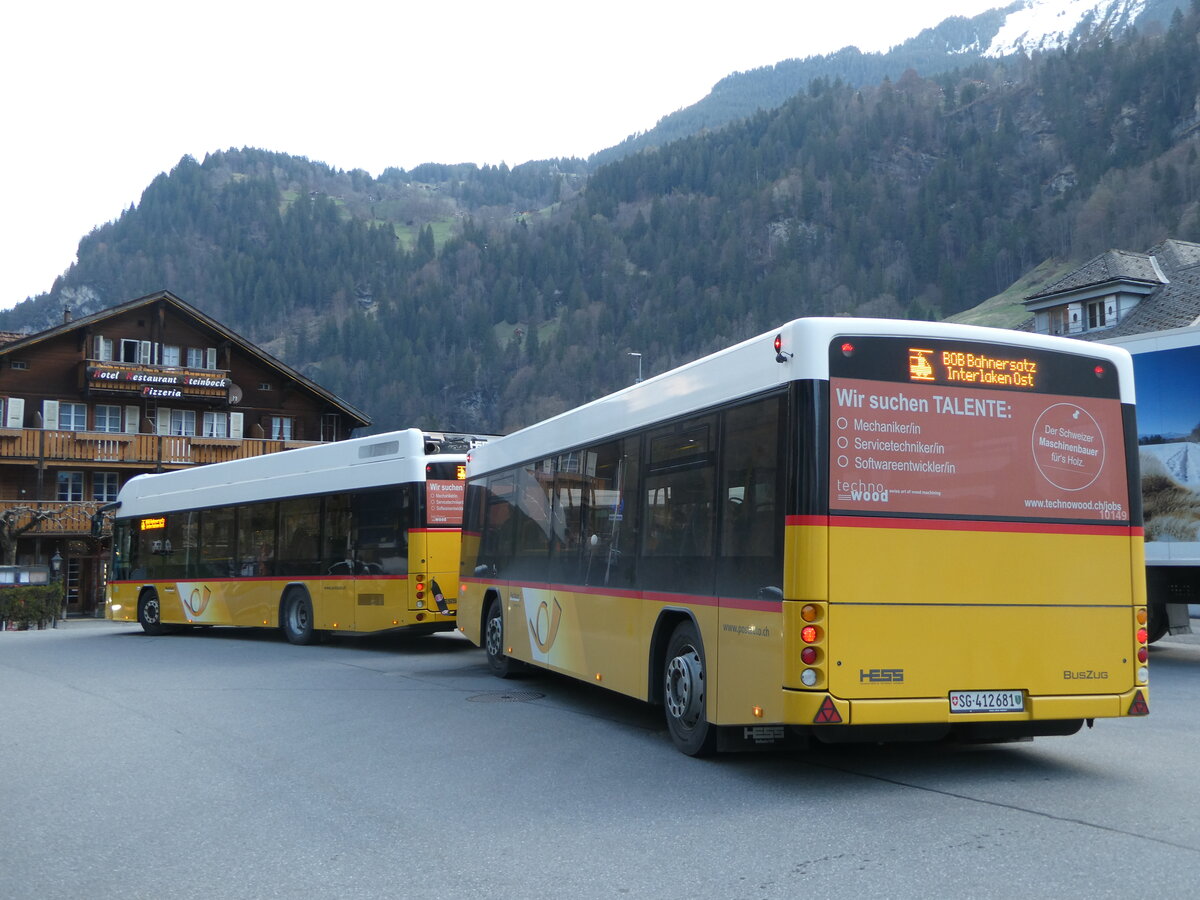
{"x":918,"y":612}
{"x":750,"y":646}
{"x":334,"y":601}
{"x":613,"y":654}
{"x":380,"y":602}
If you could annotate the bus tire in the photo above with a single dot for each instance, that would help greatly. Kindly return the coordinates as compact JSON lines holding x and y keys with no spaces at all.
{"x":150,"y":614}
{"x":296,"y":619}
{"x":685,"y":693}
{"x":500,"y":664}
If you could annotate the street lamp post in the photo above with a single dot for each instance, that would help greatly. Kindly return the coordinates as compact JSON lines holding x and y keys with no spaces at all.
{"x":56,"y":562}
{"x":639,"y":359}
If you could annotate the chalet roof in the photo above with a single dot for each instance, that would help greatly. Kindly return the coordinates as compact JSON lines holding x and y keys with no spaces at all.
{"x":1112,"y":265}
{"x":1169,"y":269}
{"x":166,"y":298}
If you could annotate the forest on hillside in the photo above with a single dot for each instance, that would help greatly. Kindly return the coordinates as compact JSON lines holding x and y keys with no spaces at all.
{"x":470,"y":298}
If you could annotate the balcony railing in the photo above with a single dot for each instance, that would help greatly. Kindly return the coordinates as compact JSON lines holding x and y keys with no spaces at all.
{"x":64,"y":519}
{"x":146,"y":451}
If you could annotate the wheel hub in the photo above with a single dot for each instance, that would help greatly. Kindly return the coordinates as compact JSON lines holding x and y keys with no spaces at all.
{"x":495,"y":636}
{"x":685,"y":687}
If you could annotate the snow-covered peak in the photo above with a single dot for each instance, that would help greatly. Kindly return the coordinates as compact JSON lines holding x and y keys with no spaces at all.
{"x":1050,"y":24}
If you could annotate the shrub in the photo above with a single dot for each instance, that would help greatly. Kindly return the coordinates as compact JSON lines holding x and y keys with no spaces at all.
{"x":29,"y":604}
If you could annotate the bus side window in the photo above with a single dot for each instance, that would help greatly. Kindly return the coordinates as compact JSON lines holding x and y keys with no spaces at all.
{"x":533,"y":520}
{"x":679,"y":508}
{"x":751,"y":548}
{"x":336,"y":551}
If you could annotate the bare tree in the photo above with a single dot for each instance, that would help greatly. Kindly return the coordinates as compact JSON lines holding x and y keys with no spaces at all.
{"x":16,"y":521}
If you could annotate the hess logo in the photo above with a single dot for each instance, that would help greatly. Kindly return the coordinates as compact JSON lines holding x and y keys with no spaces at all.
{"x":881,"y":676}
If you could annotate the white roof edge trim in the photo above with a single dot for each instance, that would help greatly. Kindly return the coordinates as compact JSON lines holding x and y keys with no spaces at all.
{"x":327,"y":468}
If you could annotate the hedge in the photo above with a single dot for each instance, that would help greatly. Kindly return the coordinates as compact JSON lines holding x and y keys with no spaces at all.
{"x":25,"y":605}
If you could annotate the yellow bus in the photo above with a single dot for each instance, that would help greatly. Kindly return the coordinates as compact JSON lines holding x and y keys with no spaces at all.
{"x":842,"y":530}
{"x":356,"y":536}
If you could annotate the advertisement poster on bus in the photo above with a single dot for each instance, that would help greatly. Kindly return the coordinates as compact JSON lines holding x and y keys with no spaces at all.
{"x":1168,"y":416}
{"x":444,"y":502}
{"x":928,"y":446}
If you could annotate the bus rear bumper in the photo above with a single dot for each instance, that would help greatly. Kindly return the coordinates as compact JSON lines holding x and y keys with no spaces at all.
{"x":931,"y":714}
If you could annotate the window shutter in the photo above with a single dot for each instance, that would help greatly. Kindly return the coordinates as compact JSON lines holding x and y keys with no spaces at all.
{"x":50,"y":414}
{"x":235,"y":425}
{"x":210,"y":358}
{"x":132,"y":414}
{"x":144,"y":357}
{"x":163,"y":423}
{"x":14,"y":415}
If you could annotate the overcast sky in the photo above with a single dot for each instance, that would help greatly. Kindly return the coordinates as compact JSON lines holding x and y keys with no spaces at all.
{"x":100,"y":97}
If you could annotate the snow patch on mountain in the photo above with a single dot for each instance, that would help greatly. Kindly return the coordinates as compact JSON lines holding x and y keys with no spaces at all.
{"x":1050,"y":24}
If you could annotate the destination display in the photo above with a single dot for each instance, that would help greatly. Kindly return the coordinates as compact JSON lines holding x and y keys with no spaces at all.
{"x":1007,"y":448}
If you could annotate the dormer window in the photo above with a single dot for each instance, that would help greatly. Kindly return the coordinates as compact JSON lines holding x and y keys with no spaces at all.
{"x":1099,"y":314}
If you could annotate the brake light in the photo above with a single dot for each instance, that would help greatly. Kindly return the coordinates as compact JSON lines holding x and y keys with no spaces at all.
{"x":809,"y":634}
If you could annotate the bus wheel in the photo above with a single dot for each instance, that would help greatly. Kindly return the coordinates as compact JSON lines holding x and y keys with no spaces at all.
{"x":502,"y":666}
{"x":297,"y":618}
{"x":684,"y":693}
{"x":150,"y":614}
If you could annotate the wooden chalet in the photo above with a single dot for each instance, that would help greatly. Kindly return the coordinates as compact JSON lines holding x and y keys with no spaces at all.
{"x":148,"y":386}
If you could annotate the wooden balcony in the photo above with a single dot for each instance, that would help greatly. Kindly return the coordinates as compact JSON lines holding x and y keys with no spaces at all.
{"x":151,"y":452}
{"x":64,"y":520}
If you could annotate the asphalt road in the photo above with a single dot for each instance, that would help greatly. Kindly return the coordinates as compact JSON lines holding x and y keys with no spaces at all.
{"x":232,"y":764}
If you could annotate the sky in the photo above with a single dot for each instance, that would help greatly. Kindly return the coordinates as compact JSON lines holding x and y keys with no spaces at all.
{"x":98,"y":98}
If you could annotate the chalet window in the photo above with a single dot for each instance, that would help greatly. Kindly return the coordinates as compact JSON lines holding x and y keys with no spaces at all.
{"x":329,"y":427}
{"x":1060,"y":321}
{"x":102,"y":348}
{"x":105,"y":486}
{"x":108,"y":418}
{"x":281,"y":428}
{"x":216,"y":424}
{"x":1096,"y":314}
{"x":202,"y":357}
{"x":20,"y":364}
{"x":170,"y":354}
{"x":70,"y":486}
{"x":72,"y":416}
{"x":138,"y":352}
{"x":183,"y":421}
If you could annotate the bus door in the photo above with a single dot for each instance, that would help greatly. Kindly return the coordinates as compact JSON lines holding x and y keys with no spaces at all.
{"x":334,"y":610}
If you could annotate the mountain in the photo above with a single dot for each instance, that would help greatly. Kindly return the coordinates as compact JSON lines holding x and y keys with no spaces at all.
{"x":472,"y":298}
{"x":1021,"y":28}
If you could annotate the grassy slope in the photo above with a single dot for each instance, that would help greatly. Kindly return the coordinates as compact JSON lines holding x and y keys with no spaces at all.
{"x":1005,"y":310}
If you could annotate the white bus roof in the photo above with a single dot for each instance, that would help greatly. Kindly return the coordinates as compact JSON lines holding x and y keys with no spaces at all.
{"x":744,"y":370}
{"x":397,"y":457}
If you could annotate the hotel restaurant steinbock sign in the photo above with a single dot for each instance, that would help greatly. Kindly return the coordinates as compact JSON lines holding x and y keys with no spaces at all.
{"x":146,"y":383}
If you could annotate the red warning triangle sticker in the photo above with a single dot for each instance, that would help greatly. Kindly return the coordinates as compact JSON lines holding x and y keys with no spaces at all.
{"x":1139,"y":706}
{"x":827,"y":714}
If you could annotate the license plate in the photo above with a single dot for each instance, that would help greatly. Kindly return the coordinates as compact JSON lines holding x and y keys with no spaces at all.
{"x":987,"y":701}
